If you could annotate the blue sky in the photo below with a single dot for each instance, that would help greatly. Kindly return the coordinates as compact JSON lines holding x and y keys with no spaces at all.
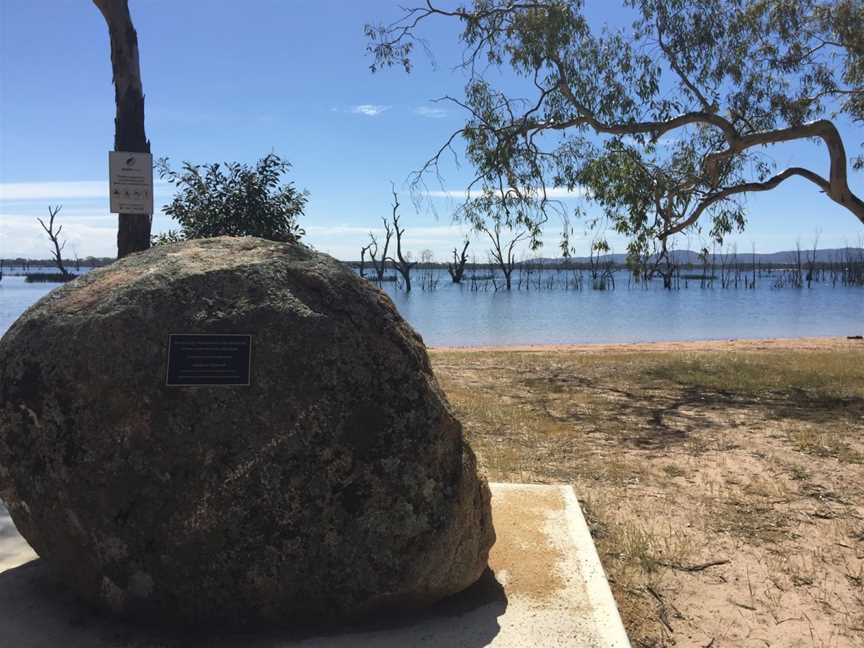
{"x":233,"y":81}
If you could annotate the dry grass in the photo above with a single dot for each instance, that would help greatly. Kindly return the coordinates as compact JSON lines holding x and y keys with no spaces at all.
{"x":685,"y":457}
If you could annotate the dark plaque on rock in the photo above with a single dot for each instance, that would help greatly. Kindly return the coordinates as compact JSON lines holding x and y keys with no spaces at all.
{"x":204,"y":360}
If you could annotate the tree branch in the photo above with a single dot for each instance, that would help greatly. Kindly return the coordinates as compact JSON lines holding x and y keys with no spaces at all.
{"x":745,"y":187}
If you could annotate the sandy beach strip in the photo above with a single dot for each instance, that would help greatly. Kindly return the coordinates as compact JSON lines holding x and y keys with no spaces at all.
{"x":767,"y":344}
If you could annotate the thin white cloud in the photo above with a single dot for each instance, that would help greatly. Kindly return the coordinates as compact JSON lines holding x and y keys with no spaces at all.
{"x":72,"y":189}
{"x":432,"y":112}
{"x":70,"y":214}
{"x":53,"y":190}
{"x":555,"y":193}
{"x":344,"y":241}
{"x":26,"y":238}
{"x":336,"y":230}
{"x":427,"y":232}
{"x":370,"y":110}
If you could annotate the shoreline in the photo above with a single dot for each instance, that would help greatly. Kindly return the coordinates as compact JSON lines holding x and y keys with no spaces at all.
{"x":745,"y":344}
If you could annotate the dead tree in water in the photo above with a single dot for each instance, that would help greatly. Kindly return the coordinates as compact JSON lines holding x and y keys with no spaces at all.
{"x":402,"y":265}
{"x":753,"y":261}
{"x":639,"y":262}
{"x":811,"y":262}
{"x":380,"y":266}
{"x":663,"y":264}
{"x":363,"y":250}
{"x":428,"y":279}
{"x":133,"y":231}
{"x":602,"y":270}
{"x":670,"y":268}
{"x":502,"y":252}
{"x":798,"y":280}
{"x":54,"y":236}
{"x":457,"y":268}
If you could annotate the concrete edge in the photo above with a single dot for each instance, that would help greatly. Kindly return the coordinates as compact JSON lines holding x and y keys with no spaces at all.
{"x":523,"y":487}
{"x":607,"y":618}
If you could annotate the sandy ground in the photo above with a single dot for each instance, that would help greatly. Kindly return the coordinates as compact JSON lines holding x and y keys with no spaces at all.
{"x":724,"y":480}
{"x":823,"y":343}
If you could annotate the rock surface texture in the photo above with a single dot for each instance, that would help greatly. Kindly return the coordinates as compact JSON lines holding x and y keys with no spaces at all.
{"x":337,"y":484}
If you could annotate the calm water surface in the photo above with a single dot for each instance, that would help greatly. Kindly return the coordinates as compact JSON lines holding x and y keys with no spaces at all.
{"x":457,"y":316}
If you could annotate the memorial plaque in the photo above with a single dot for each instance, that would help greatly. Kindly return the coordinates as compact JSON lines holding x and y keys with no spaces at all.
{"x":209,"y":359}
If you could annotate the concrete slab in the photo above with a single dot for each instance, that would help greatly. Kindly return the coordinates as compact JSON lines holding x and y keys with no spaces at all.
{"x":545,"y":587}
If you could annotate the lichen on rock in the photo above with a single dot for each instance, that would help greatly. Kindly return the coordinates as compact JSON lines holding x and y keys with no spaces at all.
{"x":337,"y":484}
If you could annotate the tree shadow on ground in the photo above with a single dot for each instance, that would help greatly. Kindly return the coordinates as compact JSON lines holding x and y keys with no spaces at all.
{"x":657,"y":416}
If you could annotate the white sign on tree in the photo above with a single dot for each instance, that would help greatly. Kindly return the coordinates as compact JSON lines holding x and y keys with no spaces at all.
{"x":131,"y":182}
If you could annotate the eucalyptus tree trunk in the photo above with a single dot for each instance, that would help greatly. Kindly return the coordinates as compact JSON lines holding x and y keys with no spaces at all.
{"x":133,"y":231}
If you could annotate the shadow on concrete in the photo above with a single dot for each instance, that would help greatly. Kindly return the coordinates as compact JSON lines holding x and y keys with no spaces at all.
{"x":39,"y":612}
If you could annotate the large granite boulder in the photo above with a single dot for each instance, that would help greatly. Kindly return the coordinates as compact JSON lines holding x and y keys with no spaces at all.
{"x":337,"y":484}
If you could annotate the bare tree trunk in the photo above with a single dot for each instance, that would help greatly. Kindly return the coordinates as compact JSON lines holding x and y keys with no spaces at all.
{"x":380,"y":267}
{"x":54,"y":237}
{"x":501,"y":254}
{"x":133,"y":231}
{"x":403,"y":265}
{"x":363,"y":250}
{"x":457,"y":268}
{"x":753,"y":260}
{"x":799,"y":275}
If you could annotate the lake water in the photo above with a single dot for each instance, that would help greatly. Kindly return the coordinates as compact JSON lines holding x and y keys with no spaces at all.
{"x":454,"y":315}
